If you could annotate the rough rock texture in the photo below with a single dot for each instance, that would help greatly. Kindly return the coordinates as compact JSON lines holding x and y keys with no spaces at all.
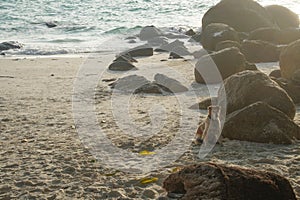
{"x":227,"y":44}
{"x":225,"y":63}
{"x":143,"y":50}
{"x":259,"y":122}
{"x":172,"y":84}
{"x":203,"y":104}
{"x":292,"y":87}
{"x":290,"y":60}
{"x":151,"y":88}
{"x":258,"y":51}
{"x":215,"y":33}
{"x":129,"y":83}
{"x":247,"y":87}
{"x":149,"y":32}
{"x":222,"y":182}
{"x":177,"y":47}
{"x":275,"y":35}
{"x":284,"y":17}
{"x":236,"y":13}
{"x":121,"y":66}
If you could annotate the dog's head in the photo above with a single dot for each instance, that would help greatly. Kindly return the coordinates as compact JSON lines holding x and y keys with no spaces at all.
{"x":213,"y":112}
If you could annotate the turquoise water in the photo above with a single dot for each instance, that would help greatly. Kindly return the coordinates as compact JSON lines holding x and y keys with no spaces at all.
{"x":83,"y":25}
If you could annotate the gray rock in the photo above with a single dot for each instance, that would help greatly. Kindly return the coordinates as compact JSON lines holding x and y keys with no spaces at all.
{"x":284,"y":17}
{"x":10,"y":45}
{"x":130,"y":83}
{"x":140,"y":51}
{"x":172,"y":84}
{"x":121,"y":66}
{"x":149,"y":32}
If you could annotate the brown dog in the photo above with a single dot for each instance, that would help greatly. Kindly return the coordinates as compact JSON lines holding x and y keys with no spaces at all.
{"x":211,"y":124}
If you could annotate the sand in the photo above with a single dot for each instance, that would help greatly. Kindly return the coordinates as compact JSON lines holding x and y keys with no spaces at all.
{"x":41,"y":152}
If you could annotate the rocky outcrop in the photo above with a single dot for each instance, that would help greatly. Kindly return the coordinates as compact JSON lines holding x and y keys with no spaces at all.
{"x":257,"y":51}
{"x":290,"y":60}
{"x":237,"y":14}
{"x":259,"y":122}
{"x":151,"y":88}
{"x":275,"y":73}
{"x":215,"y":33}
{"x":225,"y":63}
{"x":247,"y":87}
{"x":284,"y":17}
{"x":170,"y":83}
{"x":292,"y":87}
{"x":217,"y":181}
{"x":177,"y":47}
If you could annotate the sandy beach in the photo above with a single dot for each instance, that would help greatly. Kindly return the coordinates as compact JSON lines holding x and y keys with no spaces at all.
{"x":42,"y":156}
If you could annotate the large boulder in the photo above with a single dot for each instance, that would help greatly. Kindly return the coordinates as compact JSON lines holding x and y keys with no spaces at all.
{"x":169,"y":83}
{"x":139,"y":51}
{"x":225,"y":63}
{"x":290,"y":60}
{"x":227,"y":44}
{"x":10,"y":45}
{"x":284,"y":17}
{"x":292,"y":87}
{"x":215,"y":33}
{"x":218,"y":181}
{"x":259,"y":122}
{"x":242,"y":15}
{"x":121,"y":66}
{"x":247,"y":87}
{"x":129,"y":84}
{"x":275,"y":35}
{"x":257,"y":51}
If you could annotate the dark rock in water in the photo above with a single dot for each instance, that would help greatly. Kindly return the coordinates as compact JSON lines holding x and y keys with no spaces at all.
{"x":131,"y":41}
{"x":203,"y":104}
{"x":259,"y":122}
{"x":121,"y":66}
{"x":225,"y":63}
{"x":257,"y":51}
{"x":284,"y":17}
{"x":50,"y":24}
{"x":190,"y":32}
{"x":174,"y":56}
{"x":175,"y":36}
{"x":149,"y":32}
{"x":243,"y":16}
{"x":290,"y":60}
{"x":130,"y":38}
{"x":169,"y":83}
{"x":227,"y":44}
{"x":129,"y":83}
{"x":217,"y":181}
{"x":215,"y":33}
{"x":151,"y":88}
{"x":176,"y":47}
{"x":275,"y":73}
{"x":140,"y":51}
{"x":245,"y":88}
{"x":10,"y":45}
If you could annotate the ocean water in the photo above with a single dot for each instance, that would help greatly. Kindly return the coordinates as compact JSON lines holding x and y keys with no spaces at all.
{"x":84,"y":25}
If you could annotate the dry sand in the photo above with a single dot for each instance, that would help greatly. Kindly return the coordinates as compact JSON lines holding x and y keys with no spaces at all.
{"x":42,"y":157}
